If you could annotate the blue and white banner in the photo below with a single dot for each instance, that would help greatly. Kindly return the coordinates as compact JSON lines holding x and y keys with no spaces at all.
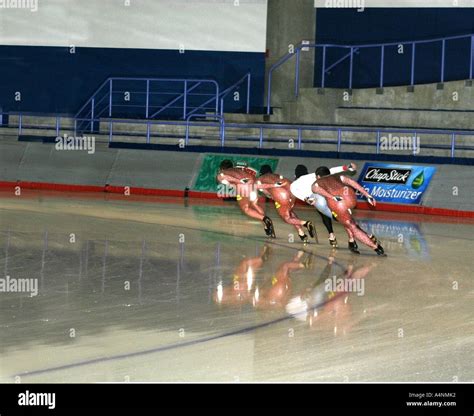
{"x":403,"y":184}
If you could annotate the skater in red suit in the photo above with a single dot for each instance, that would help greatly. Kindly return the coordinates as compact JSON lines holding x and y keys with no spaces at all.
{"x":341,"y":198}
{"x":272,"y":293}
{"x":284,"y":201}
{"x":242,"y":179}
{"x":243,"y":281}
{"x":301,"y":189}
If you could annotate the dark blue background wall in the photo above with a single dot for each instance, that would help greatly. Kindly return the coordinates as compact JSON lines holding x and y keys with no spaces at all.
{"x":51,"y":79}
{"x":376,"y":25}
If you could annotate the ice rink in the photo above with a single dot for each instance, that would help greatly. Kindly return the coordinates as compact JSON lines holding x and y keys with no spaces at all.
{"x":162,"y":289}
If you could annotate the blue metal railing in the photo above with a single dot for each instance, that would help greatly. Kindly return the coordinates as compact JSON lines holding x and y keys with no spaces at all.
{"x":234,"y":88}
{"x":219,"y":118}
{"x":260,"y":139}
{"x":148,"y":98}
{"x":356,"y":49}
{"x":57,"y":126}
{"x":114,"y":99}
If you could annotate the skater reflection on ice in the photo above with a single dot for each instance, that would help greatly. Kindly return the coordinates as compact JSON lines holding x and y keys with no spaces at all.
{"x":243,"y":281}
{"x":324,"y":304}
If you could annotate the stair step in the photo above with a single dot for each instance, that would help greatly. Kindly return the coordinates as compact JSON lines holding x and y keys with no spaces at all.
{"x":413,"y":118}
{"x":315,"y":108}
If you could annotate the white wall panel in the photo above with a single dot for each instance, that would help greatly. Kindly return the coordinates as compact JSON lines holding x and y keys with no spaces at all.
{"x":213,"y":25}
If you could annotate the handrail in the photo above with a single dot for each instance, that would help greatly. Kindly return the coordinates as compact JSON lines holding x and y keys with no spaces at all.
{"x":176,"y":99}
{"x":261,"y":127}
{"x":90,"y":108}
{"x":110,"y":82}
{"x":283,"y":126}
{"x":224,"y":93}
{"x":300,"y":128}
{"x":216,"y":116}
{"x":203,"y":105}
{"x":228,"y":90}
{"x":402,"y":42}
{"x":354,"y":48}
{"x":93,"y":95}
{"x":347,"y":55}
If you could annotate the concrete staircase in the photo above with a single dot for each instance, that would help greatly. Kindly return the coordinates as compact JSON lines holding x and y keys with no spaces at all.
{"x":447,"y":106}
{"x":396,"y":107}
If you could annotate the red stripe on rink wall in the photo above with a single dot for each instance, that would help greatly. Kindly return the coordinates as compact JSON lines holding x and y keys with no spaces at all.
{"x":142,"y":191}
{"x":52,"y":186}
{"x":400,"y":208}
{"x":108,"y":189}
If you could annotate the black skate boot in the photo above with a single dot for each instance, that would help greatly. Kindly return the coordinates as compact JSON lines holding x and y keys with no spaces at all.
{"x":269,"y":230}
{"x":333,"y":242}
{"x":304,"y":238}
{"x":380,"y":251}
{"x":312,"y":230}
{"x":354,"y":247}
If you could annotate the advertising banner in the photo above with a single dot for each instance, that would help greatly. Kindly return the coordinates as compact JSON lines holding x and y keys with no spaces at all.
{"x":401,"y":184}
{"x":206,"y":179}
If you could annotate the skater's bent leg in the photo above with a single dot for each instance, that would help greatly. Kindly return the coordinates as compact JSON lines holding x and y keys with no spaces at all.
{"x":359,"y":234}
{"x":253,"y":210}
{"x":327,"y":223}
{"x":257,"y":208}
{"x":249,"y":209}
{"x":290,"y":217}
{"x":349,"y":232}
{"x":285,"y":211}
{"x":341,"y":210}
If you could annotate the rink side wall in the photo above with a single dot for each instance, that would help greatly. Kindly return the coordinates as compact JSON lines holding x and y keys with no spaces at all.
{"x":39,"y":166}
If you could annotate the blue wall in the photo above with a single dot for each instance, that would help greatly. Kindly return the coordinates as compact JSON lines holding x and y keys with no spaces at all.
{"x":376,"y":25}
{"x":51,"y":79}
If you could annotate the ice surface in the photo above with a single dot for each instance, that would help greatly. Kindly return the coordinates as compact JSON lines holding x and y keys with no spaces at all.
{"x":157,"y":289}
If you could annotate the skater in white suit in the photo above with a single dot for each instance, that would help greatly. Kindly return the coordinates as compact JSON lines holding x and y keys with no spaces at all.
{"x":301,"y":189}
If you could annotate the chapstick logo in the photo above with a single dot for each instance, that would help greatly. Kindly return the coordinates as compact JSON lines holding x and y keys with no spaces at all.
{"x":385,"y":175}
{"x":37,"y":399}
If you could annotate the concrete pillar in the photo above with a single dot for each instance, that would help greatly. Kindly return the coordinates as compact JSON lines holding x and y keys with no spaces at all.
{"x":290,"y":22}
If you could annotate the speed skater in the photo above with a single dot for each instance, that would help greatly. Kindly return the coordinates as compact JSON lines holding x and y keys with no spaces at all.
{"x":339,"y":191}
{"x":242,"y":179}
{"x":284,"y":201}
